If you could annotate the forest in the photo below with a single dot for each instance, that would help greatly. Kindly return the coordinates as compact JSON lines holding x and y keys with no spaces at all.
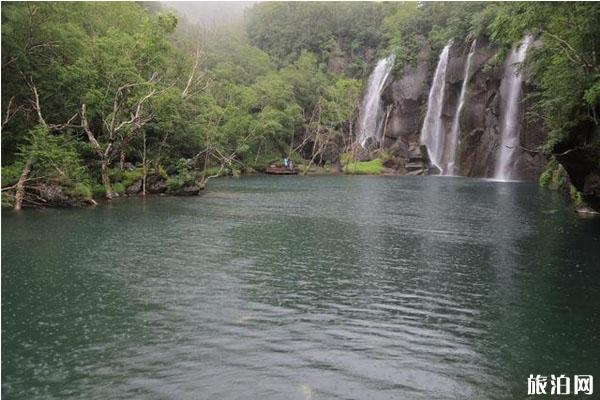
{"x":101,"y":100}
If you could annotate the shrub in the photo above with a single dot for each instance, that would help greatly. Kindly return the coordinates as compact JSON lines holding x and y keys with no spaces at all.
{"x":11,"y":174}
{"x":98,"y":190}
{"x":554,"y":176}
{"x":83,"y":190}
{"x":184,"y":176}
{"x":575,"y":196}
{"x":119,"y":187}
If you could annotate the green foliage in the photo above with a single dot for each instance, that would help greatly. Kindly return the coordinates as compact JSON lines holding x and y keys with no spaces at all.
{"x":286,"y":30}
{"x":53,"y":156}
{"x":83,"y":190}
{"x":119,"y":187}
{"x":415,"y":25}
{"x":184,"y":176}
{"x":565,"y":67}
{"x":125,"y":178}
{"x":11,"y":174}
{"x":554,"y":176}
{"x":98,"y":190}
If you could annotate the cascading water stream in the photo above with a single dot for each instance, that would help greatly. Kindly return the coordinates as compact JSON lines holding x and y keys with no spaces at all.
{"x":371,"y":110}
{"x":510,"y":90}
{"x":450,"y":167}
{"x":433,"y":134}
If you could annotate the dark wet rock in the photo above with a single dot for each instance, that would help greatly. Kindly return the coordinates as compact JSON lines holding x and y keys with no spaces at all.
{"x":407,"y":95}
{"x":128,"y":167}
{"x":134,"y":188}
{"x":591,"y":187}
{"x":406,"y":99}
{"x":582,"y":165}
{"x":156,"y":184}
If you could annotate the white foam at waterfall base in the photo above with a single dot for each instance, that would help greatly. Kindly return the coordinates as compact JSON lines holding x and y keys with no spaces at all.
{"x":371,"y":110}
{"x":450,"y":167}
{"x":433,"y":134}
{"x":510,"y":129}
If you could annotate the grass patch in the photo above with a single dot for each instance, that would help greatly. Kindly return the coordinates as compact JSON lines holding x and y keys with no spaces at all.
{"x":372,"y":167}
{"x":83,"y":190}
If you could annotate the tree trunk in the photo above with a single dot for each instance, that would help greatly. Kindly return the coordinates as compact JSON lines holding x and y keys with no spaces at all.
{"x":106,"y":179}
{"x":20,"y":188}
{"x":144,"y":168}
{"x":122,"y":161}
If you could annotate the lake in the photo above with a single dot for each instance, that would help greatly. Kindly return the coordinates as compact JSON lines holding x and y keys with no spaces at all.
{"x":334,"y":287}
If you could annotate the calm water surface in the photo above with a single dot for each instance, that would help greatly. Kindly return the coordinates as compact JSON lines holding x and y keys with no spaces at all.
{"x":302,"y":288}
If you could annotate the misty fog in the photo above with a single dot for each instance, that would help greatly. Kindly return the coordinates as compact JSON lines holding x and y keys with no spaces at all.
{"x":209,"y":12}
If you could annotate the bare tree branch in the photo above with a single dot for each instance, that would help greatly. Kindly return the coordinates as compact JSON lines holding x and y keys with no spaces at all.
{"x":10,"y":113}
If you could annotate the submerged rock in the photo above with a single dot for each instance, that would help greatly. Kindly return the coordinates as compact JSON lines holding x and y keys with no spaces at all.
{"x":189,"y":190}
{"x":157,"y":184}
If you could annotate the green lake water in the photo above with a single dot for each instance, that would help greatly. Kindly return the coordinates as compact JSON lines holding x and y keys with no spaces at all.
{"x":302,"y":288}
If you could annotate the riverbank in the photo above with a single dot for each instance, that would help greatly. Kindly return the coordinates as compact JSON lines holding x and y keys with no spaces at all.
{"x":130,"y":182}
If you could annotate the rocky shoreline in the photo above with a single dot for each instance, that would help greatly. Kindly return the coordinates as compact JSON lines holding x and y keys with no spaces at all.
{"x":53,"y":195}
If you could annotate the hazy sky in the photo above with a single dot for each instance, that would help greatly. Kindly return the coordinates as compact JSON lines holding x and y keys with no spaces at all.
{"x":210,"y":12}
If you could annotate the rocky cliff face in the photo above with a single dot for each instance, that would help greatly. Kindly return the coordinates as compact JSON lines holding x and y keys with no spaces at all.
{"x":406,"y":99}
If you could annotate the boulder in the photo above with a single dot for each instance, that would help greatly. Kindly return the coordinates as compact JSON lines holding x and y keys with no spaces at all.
{"x":128,"y":166}
{"x":134,"y":188}
{"x":156,"y":184}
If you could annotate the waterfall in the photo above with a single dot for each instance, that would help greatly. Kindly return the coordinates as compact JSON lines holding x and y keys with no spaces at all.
{"x":450,"y":168}
{"x":370,"y":123}
{"x":510,"y":90}
{"x":433,"y":133}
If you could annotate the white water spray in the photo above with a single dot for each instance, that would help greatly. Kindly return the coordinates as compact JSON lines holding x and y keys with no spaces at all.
{"x":370,"y":123}
{"x":450,"y":167}
{"x":510,"y":89}
{"x":433,"y":134}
